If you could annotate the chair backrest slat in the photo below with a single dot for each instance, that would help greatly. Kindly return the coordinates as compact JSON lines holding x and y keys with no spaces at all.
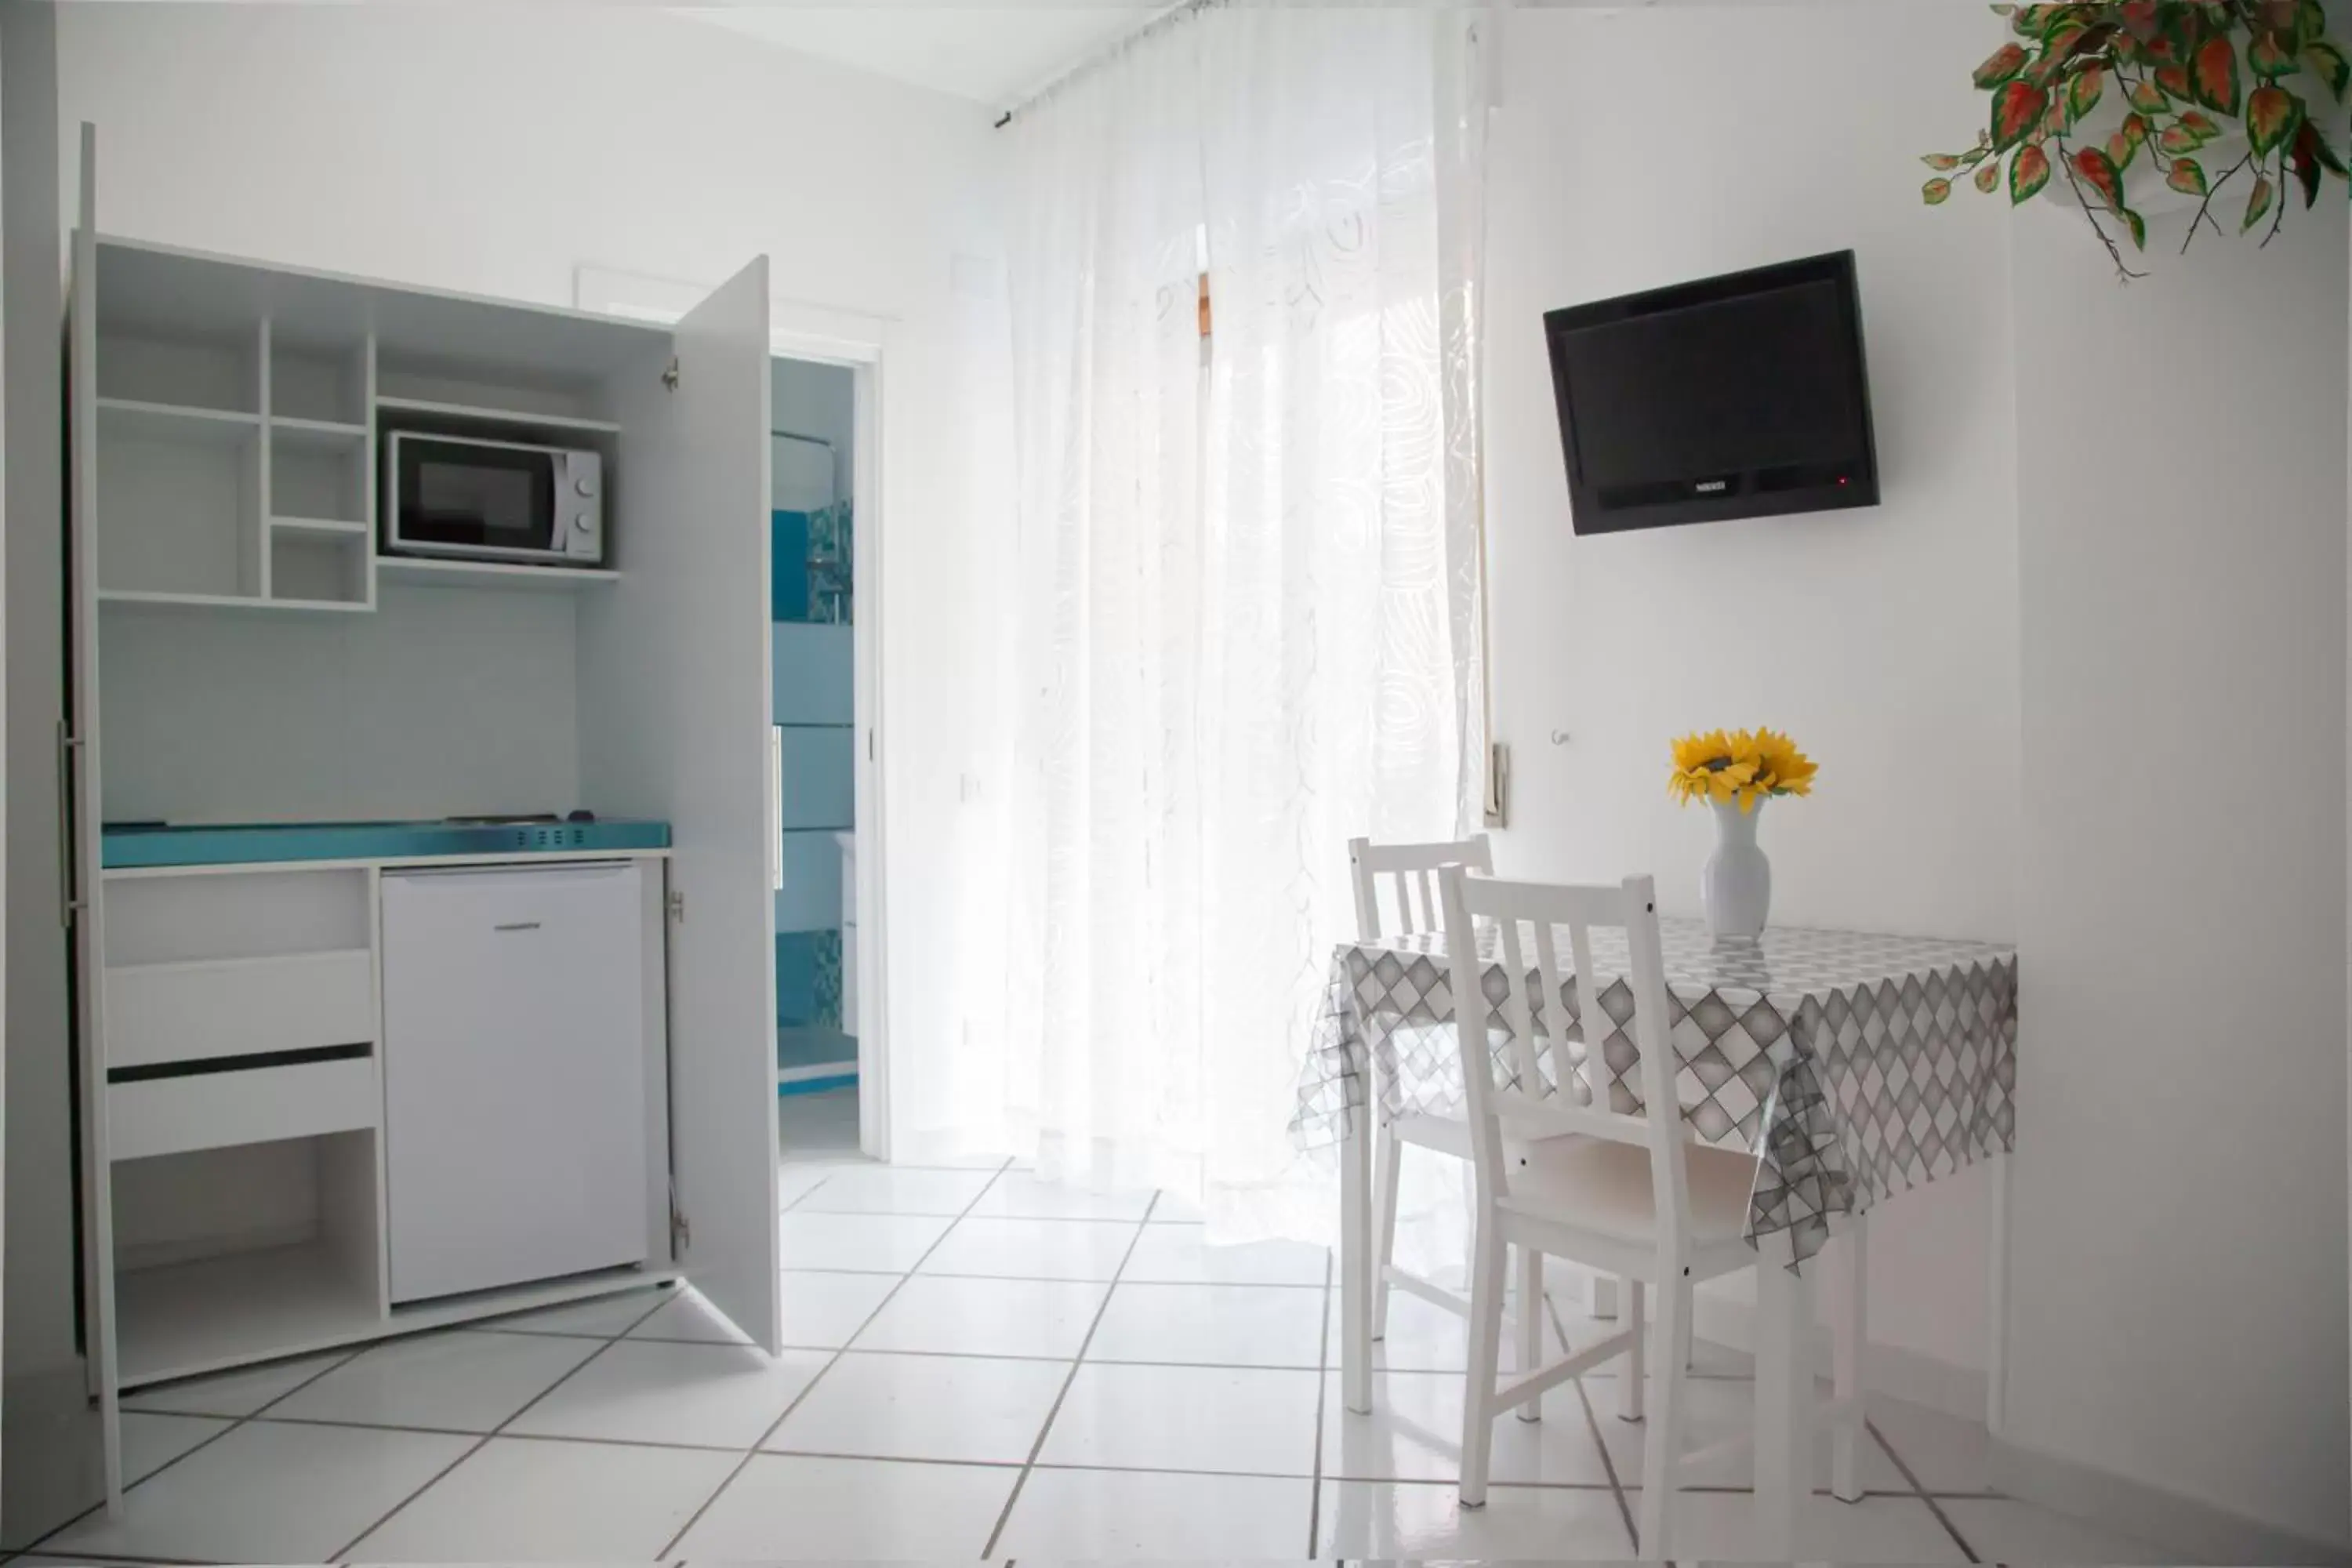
{"x":1405,"y":867}
{"x":1630,"y":907}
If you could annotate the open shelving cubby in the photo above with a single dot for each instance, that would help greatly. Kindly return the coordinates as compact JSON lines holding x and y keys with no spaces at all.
{"x":243,"y":1117}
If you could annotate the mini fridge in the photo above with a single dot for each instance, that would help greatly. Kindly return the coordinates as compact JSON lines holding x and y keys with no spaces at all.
{"x":515,"y":1075}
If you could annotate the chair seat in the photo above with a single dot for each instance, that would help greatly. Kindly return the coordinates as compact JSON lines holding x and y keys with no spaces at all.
{"x":1603,"y":1187}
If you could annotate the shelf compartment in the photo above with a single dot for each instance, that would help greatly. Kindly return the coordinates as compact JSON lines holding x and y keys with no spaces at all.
{"x":179,"y":508}
{"x":318,"y":475}
{"x":317,"y":382}
{"x":215,"y":370}
{"x":220,"y":1312}
{"x":223,"y":1109}
{"x":251,"y":915}
{"x":427,"y":572}
{"x":312,"y":567}
{"x":221,"y":1008}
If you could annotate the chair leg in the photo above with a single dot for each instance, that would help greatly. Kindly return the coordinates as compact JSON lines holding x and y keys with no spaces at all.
{"x":1631,"y":1309}
{"x":1478,"y":1411}
{"x":1845,"y":1371}
{"x":1531,"y":1314}
{"x":1388,"y":1164}
{"x":1662,"y":1446}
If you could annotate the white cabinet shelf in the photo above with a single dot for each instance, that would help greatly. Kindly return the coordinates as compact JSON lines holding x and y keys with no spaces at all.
{"x":427,"y":571}
{"x":239,"y":602}
{"x":474,"y":413}
{"x":135,"y":419}
{"x":323,"y":526}
{"x":317,"y":435}
{"x":189,"y":1317}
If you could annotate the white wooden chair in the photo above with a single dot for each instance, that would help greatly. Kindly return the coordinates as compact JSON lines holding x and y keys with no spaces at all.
{"x":1411,"y":870}
{"x":1635,"y":1196}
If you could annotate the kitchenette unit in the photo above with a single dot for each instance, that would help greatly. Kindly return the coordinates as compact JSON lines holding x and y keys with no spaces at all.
{"x":419,"y":768}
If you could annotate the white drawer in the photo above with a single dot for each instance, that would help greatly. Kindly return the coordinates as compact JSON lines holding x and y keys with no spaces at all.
{"x":248,"y":1105}
{"x":232,"y":1007}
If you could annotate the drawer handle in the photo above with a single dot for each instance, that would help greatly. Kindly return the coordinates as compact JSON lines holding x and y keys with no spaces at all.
{"x":516,"y":925}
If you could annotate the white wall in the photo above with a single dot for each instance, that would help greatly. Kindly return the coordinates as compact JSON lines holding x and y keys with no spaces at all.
{"x":495,"y":150}
{"x":1885,"y":640}
{"x":2178,"y":1260}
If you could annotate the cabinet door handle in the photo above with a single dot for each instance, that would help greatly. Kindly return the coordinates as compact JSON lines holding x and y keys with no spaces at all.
{"x":68,"y":867}
{"x":516,"y":925}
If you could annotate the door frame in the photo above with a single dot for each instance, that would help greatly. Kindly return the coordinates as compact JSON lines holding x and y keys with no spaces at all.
{"x":822,"y":334}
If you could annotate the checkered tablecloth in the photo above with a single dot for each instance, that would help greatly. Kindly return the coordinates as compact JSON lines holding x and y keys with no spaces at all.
{"x":1852,"y":1066}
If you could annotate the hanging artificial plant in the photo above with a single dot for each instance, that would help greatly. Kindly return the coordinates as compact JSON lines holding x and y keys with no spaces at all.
{"x":2197,"y":92}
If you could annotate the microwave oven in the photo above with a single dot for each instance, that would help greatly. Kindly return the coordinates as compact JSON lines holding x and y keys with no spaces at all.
{"x":466,"y":499}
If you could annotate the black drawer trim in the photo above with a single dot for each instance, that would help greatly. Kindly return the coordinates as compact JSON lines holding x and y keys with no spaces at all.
{"x":258,"y":1059}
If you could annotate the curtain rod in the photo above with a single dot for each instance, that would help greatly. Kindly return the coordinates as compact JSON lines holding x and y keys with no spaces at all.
{"x":1158,"y":20}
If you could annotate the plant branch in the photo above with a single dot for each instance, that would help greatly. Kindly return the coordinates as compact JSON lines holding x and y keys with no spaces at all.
{"x":2204,"y":213}
{"x":2114,"y":251}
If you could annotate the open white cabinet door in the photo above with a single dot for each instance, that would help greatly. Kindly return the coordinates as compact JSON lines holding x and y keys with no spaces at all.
{"x":673,"y":717}
{"x":78,"y":798}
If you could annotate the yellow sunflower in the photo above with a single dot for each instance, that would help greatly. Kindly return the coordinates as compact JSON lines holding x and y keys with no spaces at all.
{"x":1712,"y":767}
{"x":1781,"y":769}
{"x":1718,"y":767}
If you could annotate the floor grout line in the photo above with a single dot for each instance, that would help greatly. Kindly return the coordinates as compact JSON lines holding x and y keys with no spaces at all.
{"x":485,"y":1439}
{"x":1592,"y":1422}
{"x":1921,"y":1492}
{"x":798,"y":1399}
{"x":234,"y":1422}
{"x":1102,"y":1307}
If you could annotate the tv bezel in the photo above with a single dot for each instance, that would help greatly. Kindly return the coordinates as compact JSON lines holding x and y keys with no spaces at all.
{"x":1588,"y":516}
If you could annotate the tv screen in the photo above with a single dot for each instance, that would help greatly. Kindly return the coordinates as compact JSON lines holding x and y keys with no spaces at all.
{"x":1743,"y":395}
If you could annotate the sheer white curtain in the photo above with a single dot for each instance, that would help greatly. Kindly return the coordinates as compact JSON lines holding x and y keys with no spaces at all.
{"x":1243,"y":594}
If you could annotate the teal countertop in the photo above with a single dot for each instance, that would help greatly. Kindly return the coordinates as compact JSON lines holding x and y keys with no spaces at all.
{"x":161,"y":844}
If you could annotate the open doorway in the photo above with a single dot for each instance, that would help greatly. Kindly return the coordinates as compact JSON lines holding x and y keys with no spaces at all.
{"x":813,"y":595}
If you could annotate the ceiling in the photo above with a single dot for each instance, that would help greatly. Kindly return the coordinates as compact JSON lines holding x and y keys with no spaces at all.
{"x":992,"y":55}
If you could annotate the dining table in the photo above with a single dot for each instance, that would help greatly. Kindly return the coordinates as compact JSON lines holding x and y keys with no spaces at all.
{"x":1851,"y":1065}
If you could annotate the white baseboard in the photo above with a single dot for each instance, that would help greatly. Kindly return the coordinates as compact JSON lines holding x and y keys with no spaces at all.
{"x":1894,"y":1372}
{"x":2199,"y":1531}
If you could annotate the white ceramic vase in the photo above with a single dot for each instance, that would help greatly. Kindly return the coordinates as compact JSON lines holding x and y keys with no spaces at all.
{"x":1735,"y":888}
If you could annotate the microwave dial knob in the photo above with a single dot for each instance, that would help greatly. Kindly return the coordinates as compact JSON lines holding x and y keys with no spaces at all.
{"x":585,"y":486}
{"x":581,"y":523}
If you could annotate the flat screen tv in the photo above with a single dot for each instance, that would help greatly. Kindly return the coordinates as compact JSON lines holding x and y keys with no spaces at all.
{"x":1743,"y":395}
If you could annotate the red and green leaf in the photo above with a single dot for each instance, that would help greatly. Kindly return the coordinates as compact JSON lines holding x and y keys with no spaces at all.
{"x":2306,"y":175}
{"x":2214,"y":75}
{"x":1940,"y":160}
{"x":2199,"y":126}
{"x":1936,"y":192}
{"x":2139,"y":18}
{"x":2124,"y":144}
{"x":1988,"y":176}
{"x":2258,"y":202}
{"x":2310,"y":21}
{"x":2137,"y":225}
{"x":2187,"y":176}
{"x":2272,"y":56}
{"x":2177,"y":138}
{"x":2055,"y":121}
{"x":2272,"y":113}
{"x":2016,"y":109}
{"x":2310,"y":143}
{"x":2083,"y":92}
{"x":2148,"y":98}
{"x":2099,"y":172}
{"x":2174,"y":81}
{"x":2327,"y":62}
{"x":2003,"y":64}
{"x":2029,"y":171}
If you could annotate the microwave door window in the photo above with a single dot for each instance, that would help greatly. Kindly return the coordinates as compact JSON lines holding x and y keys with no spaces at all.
{"x":480,"y":496}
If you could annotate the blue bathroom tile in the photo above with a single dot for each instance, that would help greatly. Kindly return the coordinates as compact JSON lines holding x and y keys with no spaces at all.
{"x":810,"y":898}
{"x":820,"y":784}
{"x":814,"y":673}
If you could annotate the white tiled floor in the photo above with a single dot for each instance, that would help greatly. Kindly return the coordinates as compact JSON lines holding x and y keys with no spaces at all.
{"x":1028,"y":1373}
